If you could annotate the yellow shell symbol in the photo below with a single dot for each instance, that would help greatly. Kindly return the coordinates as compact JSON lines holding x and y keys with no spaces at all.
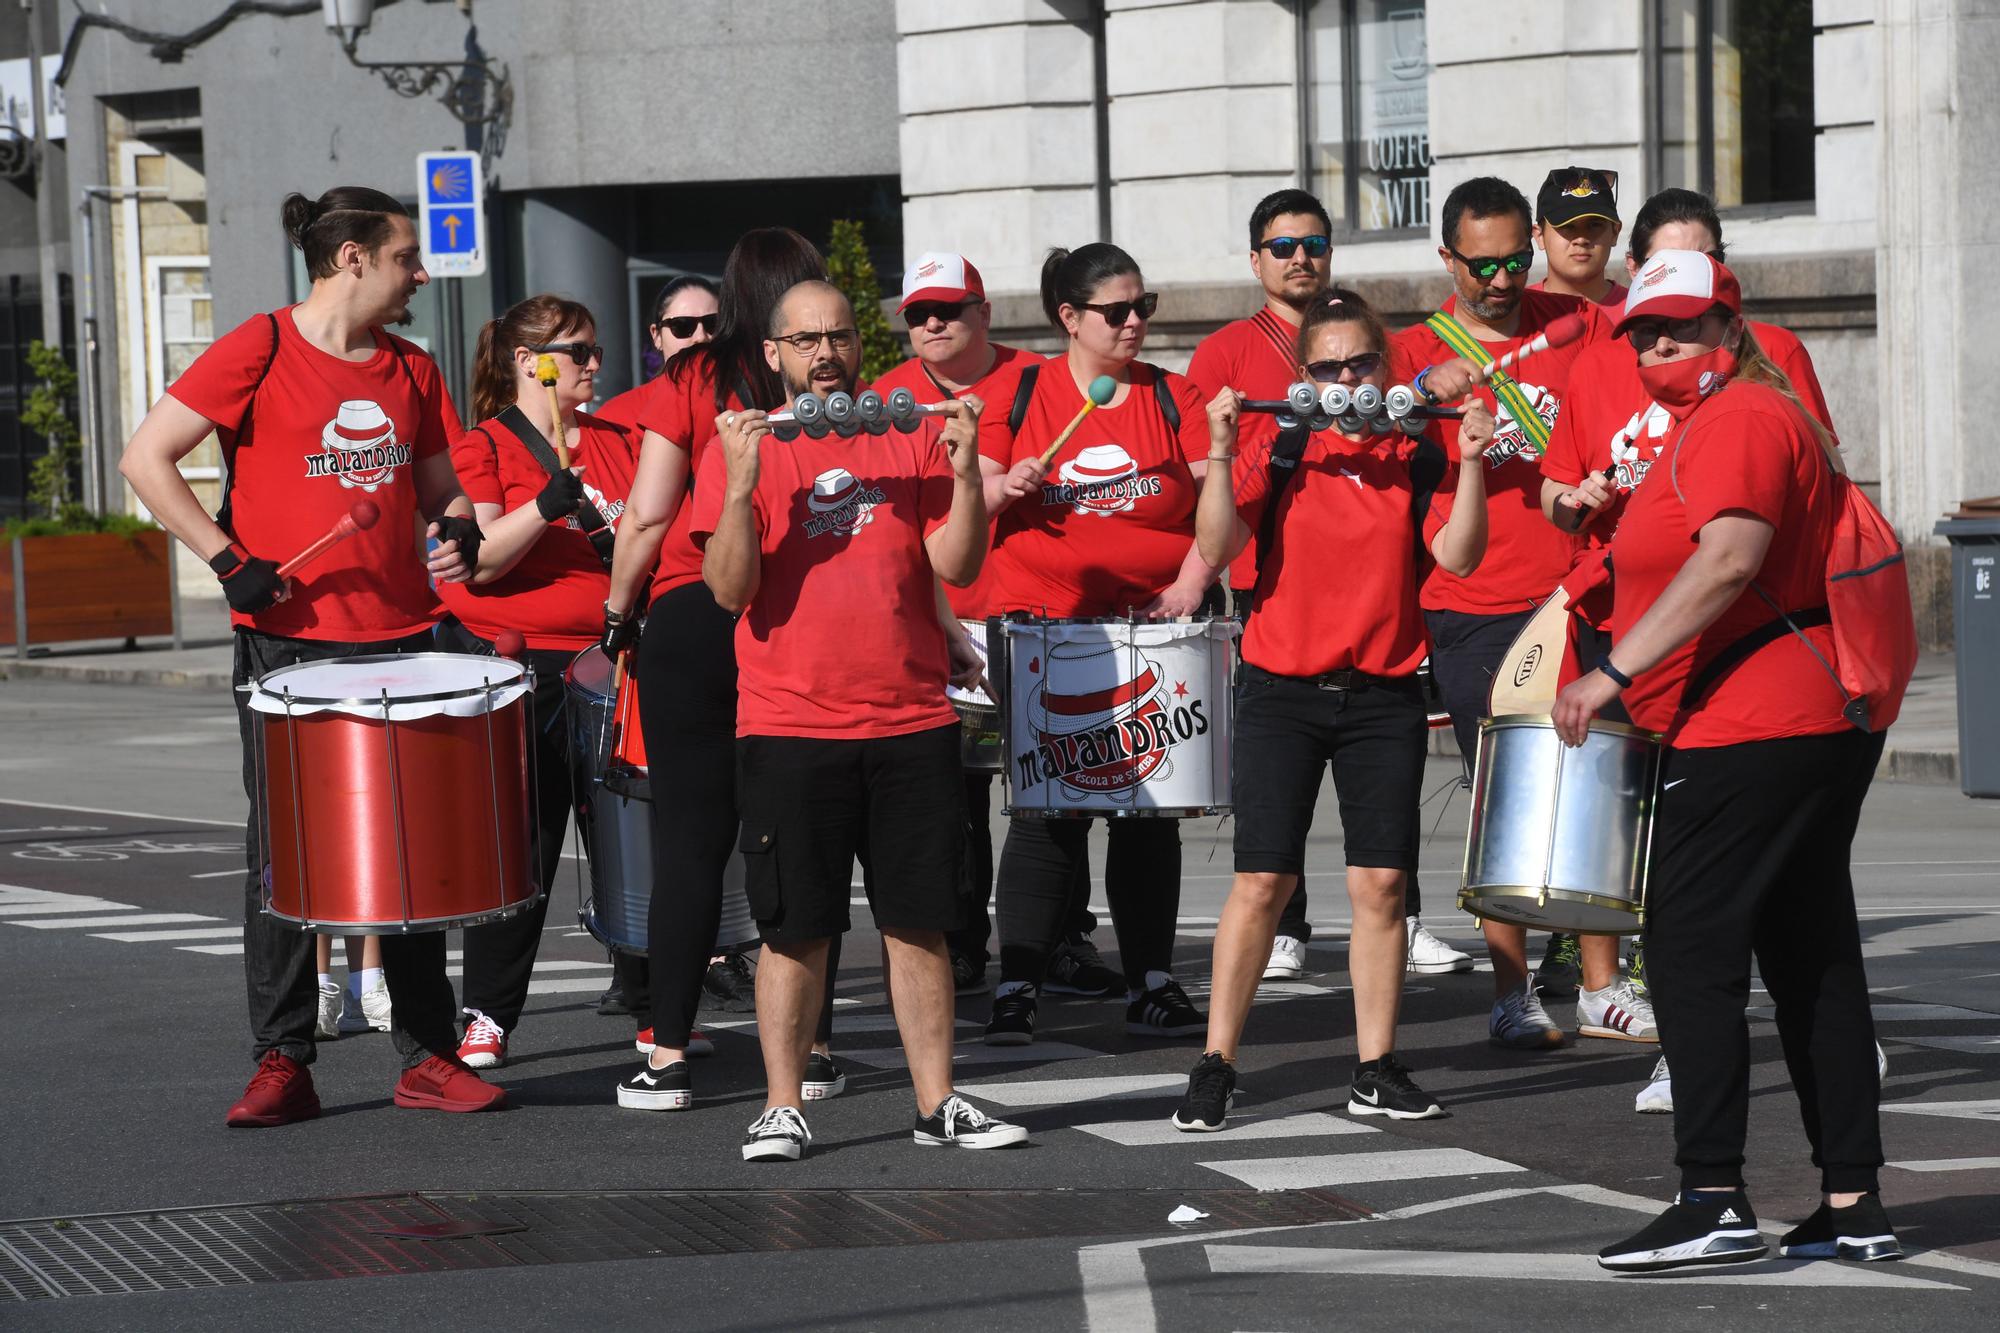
{"x":449,"y":180}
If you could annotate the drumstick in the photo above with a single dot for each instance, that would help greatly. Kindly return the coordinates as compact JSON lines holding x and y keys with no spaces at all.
{"x":546,"y":372}
{"x":1560,"y":333}
{"x":509,"y":643}
{"x":1100,"y":393}
{"x":1570,"y":517}
{"x":360,"y":516}
{"x":1526,"y":680}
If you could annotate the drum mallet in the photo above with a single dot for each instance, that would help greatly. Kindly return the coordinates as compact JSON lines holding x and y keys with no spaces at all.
{"x":808,"y":414}
{"x":360,"y":516}
{"x":1570,"y":517}
{"x":1559,"y":333}
{"x":1100,"y":392}
{"x":510,"y":644}
{"x":546,"y":372}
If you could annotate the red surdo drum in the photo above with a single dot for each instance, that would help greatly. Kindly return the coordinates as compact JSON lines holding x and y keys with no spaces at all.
{"x":395,"y":792}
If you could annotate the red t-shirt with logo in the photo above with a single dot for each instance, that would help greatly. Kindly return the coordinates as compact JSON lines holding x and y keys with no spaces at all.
{"x":1115,"y":516}
{"x":555,"y":592}
{"x":1347,"y":510}
{"x":1613,"y":298}
{"x":1254,"y":357}
{"x":996,"y":390}
{"x":317,"y":434}
{"x":1747,"y":450}
{"x":841,"y":640}
{"x":1526,"y":555}
{"x":678,"y":403}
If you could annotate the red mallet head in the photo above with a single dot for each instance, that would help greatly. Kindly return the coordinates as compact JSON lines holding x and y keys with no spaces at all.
{"x":509,"y":643}
{"x":364,"y":513}
{"x":1564,"y":331}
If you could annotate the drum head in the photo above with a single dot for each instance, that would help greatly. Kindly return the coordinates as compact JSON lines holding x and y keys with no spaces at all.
{"x":590,"y":672}
{"x":408,"y":686}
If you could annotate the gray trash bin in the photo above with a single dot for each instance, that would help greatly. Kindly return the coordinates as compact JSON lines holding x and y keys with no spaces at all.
{"x":1975,"y":605}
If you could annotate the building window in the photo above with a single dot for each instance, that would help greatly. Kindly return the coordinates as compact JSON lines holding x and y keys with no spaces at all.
{"x":1735,"y":99}
{"x":1365,"y":70}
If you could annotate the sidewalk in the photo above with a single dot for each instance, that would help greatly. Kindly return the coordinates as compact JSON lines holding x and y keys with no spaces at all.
{"x":1923,"y":745}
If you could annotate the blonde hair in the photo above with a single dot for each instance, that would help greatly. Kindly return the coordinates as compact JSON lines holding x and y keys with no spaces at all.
{"x":1755,"y":366}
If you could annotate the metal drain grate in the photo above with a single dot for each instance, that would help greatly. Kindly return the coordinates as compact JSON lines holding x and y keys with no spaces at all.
{"x":336,"y":1238}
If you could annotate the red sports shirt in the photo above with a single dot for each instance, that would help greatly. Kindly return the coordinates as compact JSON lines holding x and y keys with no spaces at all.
{"x":1526,"y":555}
{"x":1613,"y":298}
{"x":1347,"y":510}
{"x":1750,"y":450}
{"x":1115,"y":517}
{"x":1254,"y":357}
{"x":841,"y":641}
{"x":679,"y":404}
{"x":996,"y":390}
{"x":315,"y":435}
{"x":555,"y":592}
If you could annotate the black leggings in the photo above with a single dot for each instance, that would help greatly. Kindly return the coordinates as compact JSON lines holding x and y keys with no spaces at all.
{"x":1044,"y":866}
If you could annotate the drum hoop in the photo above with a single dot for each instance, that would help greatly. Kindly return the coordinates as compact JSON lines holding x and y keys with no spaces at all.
{"x":413,"y":926}
{"x":471,"y":691}
{"x":1544,"y":722}
{"x":1135,"y":621}
{"x":1469,"y":897}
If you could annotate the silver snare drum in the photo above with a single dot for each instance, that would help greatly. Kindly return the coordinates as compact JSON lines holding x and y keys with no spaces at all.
{"x":978,"y":715}
{"x":1559,"y":837}
{"x":614,"y":811}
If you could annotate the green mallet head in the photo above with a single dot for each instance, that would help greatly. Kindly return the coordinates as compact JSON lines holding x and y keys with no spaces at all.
{"x":1102,"y":388}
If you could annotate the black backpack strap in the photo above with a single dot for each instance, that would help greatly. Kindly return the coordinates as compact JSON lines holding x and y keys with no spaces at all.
{"x":587,"y":516}
{"x":1738,"y":652}
{"x":1168,"y":407}
{"x":1024,"y":393}
{"x":222,"y":515}
{"x":1286,"y":451}
{"x":1428,"y":467}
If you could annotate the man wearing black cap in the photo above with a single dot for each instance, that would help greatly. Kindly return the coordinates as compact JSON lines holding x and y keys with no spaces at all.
{"x":1576,"y":226}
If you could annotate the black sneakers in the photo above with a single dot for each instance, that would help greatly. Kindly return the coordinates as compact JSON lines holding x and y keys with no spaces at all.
{"x":1703,"y":1228}
{"x":1384,"y":1087}
{"x":778,"y":1135}
{"x":958,"y":1124}
{"x":1861,"y":1231}
{"x":1076,"y":968}
{"x":1013,"y":1021}
{"x":823,"y":1078}
{"x":653,"y":1089}
{"x":729,"y":986}
{"x":1211,"y":1089}
{"x":1164,"y":1011}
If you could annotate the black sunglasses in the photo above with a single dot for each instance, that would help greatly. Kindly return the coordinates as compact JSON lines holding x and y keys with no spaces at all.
{"x":683,"y":326}
{"x":923,"y":312}
{"x":1486,"y":268}
{"x":1644,"y":333}
{"x":1328,"y":371}
{"x":1117,"y":312}
{"x":1283,"y":247}
{"x":581,"y":353}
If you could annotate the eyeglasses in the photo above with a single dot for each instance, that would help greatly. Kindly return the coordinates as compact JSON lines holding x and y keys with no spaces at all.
{"x":1117,"y":312}
{"x":1643,"y":334}
{"x":805,"y":344}
{"x":923,"y":312}
{"x":1328,"y":371}
{"x":1486,"y":268}
{"x":581,"y":353}
{"x":683,"y":326}
{"x":1284,"y":247}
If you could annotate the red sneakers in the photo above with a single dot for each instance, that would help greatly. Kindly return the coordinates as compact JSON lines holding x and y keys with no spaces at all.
{"x":439,"y":1085}
{"x":485,"y":1044}
{"x":280,"y":1092}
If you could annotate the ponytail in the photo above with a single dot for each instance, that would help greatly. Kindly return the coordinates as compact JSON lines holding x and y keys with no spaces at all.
{"x":539,"y":319}
{"x":319,"y":227}
{"x":1755,"y":366}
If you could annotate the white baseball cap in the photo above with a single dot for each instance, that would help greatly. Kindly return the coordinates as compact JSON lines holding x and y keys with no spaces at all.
{"x":939,"y":275}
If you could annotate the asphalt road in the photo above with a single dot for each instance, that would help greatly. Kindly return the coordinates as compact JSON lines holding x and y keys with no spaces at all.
{"x":122,"y":1041}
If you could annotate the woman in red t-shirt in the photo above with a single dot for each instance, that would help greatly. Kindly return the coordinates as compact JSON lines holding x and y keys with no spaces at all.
{"x":1111,"y":533}
{"x":1763,"y":778}
{"x":1330,"y":677}
{"x":544,"y":574}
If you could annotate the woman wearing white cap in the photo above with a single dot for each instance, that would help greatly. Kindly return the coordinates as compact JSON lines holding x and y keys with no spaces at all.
{"x":1123,"y":545}
{"x":1722,"y":644}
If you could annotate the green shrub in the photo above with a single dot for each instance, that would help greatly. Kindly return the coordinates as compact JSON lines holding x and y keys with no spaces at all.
{"x":849,"y":268}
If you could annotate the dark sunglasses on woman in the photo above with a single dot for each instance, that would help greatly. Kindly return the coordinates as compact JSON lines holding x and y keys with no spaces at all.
{"x":581,"y":353}
{"x":1117,"y":312}
{"x":1328,"y":371}
{"x":683,"y":326}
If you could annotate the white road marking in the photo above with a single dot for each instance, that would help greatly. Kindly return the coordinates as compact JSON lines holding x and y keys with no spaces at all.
{"x":1906,"y":1013}
{"x":569,"y":985}
{"x":1159,"y":1131}
{"x":1541,"y":1267}
{"x":1318,"y":1171}
{"x":148,"y":936}
{"x":71,"y":903}
{"x":122,"y":814}
{"x":217,"y":949}
{"x":892,"y":1057}
{"x":1973,"y":1110}
{"x":1048,"y":1092}
{"x":218,"y":874}
{"x":551,"y":965}
{"x":1951,"y":1164}
{"x":1989,"y":1045}
{"x":94,"y":922}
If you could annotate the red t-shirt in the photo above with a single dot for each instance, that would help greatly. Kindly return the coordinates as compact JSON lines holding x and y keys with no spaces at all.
{"x":323,"y":434}
{"x":996,"y":390}
{"x":1253,"y":356}
{"x":841,"y":641}
{"x":555,"y":592}
{"x":1347,"y":509}
{"x":1614,"y":295}
{"x":1115,"y":517}
{"x":679,"y":405}
{"x":1750,"y":450}
{"x":1526,"y":555}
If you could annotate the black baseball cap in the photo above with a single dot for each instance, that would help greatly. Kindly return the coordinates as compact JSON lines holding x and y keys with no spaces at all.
{"x":1573,"y":193}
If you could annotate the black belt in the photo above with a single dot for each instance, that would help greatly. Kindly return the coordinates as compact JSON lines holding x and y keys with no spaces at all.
{"x":1345,"y":679}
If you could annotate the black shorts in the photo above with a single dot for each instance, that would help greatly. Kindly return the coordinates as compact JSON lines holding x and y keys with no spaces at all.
{"x":811,"y":807}
{"x":1465,"y":656}
{"x":1288,"y":731}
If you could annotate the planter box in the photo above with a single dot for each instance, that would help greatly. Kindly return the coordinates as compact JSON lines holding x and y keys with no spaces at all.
{"x":88,"y":586}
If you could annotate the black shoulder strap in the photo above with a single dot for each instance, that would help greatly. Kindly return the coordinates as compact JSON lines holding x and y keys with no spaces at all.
{"x":1024,"y":393}
{"x":1736,"y":653}
{"x":222,"y":515}
{"x":1428,"y":466}
{"x":1168,"y":407}
{"x":1286,"y":451}
{"x":592,"y":522}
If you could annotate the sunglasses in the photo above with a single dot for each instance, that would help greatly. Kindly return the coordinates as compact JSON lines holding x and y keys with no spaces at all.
{"x":923,"y":312}
{"x":805,"y":344}
{"x":581,"y":353}
{"x":1486,"y":268}
{"x":683,"y":326}
{"x":1117,"y":312}
{"x":1284,"y":247}
{"x":1644,"y":333}
{"x":1329,"y":371}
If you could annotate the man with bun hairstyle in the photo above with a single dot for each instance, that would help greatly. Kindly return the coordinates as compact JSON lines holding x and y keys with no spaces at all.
{"x":293,"y":395}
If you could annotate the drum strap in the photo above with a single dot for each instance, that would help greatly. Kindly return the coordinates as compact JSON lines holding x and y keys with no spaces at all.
{"x":1504,"y":386}
{"x":1286,"y":451}
{"x":1024,"y":393}
{"x":592,"y":522}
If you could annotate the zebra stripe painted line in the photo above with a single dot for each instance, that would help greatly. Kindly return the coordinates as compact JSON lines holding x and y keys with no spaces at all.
{"x":1300,"y":1173}
{"x":1950,"y":1164}
{"x":148,"y":936}
{"x":892,"y":1057}
{"x":99,"y":922}
{"x":1160,"y":1131}
{"x":1233,"y":1260}
{"x":1972,"y":1110}
{"x":218,"y":950}
{"x":70,"y":903}
{"x":1050,"y":1091}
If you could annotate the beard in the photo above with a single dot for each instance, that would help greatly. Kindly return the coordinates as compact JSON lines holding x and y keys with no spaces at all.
{"x":803,"y":384}
{"x":1495,"y":309}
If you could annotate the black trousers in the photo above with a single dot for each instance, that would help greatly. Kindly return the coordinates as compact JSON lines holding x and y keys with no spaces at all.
{"x":972,"y":941}
{"x":280,"y":967}
{"x":1751,"y":855}
{"x":500,"y":955}
{"x":1045,"y":865}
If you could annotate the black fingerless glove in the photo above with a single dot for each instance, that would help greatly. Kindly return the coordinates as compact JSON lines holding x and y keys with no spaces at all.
{"x":619,"y":631}
{"x":561,"y":497}
{"x":465,"y":532}
{"x":249,"y":583}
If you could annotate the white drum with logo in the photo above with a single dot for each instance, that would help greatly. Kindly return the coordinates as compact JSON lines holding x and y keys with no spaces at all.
{"x":1116,"y":717}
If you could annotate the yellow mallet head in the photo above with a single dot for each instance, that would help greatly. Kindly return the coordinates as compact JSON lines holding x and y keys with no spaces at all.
{"x":545,"y":369}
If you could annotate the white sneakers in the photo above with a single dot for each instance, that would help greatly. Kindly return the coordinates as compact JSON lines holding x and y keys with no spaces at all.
{"x":373,"y":1010}
{"x":1620,"y":1011}
{"x":1519,"y":1021}
{"x":1288,"y":959}
{"x":1657,"y":1097}
{"x":328,"y":1026}
{"x":1430,"y":955}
